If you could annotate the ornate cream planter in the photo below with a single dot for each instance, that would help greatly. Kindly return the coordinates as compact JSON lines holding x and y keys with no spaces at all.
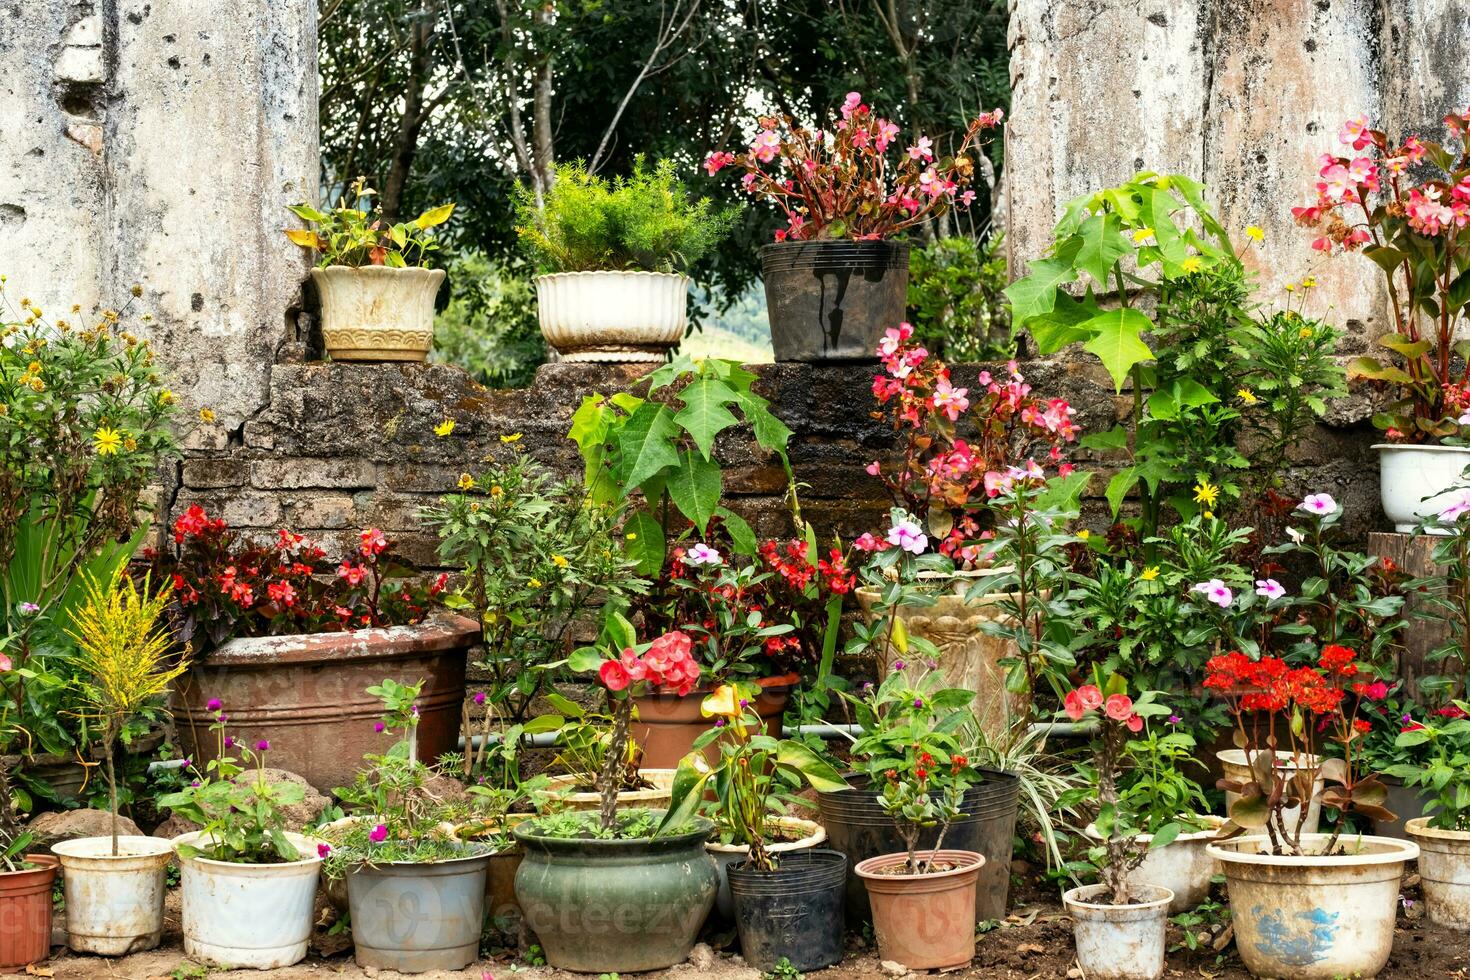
{"x":969,"y":657}
{"x":1413,"y":481}
{"x":377,"y":313}
{"x":612,"y":316}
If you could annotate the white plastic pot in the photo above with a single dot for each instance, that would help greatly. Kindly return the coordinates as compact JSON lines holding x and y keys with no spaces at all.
{"x":249,"y":915}
{"x":1413,"y":480}
{"x":1181,"y":866}
{"x":377,"y":313}
{"x":1444,"y":872}
{"x":114,"y":905}
{"x":1317,"y":916}
{"x":1233,"y":762}
{"x":612,"y":316}
{"x":808,"y":834}
{"x":1119,"y":942}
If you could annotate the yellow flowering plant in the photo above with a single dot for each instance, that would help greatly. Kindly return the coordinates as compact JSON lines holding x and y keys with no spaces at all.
{"x":84,"y":421}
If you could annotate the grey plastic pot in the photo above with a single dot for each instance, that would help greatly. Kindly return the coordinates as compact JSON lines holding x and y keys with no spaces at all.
{"x":418,"y":917}
{"x":858,"y":826}
{"x":831,"y":300}
{"x":621,"y":905}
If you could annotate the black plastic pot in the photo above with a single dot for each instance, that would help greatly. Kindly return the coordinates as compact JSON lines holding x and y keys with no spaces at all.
{"x":832,"y":300}
{"x":793,"y":913}
{"x":858,"y":826}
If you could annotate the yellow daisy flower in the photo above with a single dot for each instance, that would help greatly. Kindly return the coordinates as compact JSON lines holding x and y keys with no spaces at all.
{"x":1084,"y":534}
{"x":206,"y":415}
{"x":444,"y":428}
{"x":1191,"y":264}
{"x":534,"y":583}
{"x":1150,"y":573}
{"x":1142,"y":235}
{"x":466,"y":481}
{"x":106,"y":441}
{"x":1254,"y":233}
{"x":513,"y":437}
{"x":1206,"y":493}
{"x":1246,"y":395}
{"x":559,"y":561}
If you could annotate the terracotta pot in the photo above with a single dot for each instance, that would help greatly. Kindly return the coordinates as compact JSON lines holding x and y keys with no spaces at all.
{"x":923,"y":921}
{"x":308,"y":694}
{"x":667,"y":725}
{"x":25,"y":913}
{"x":969,"y":657}
{"x":377,"y":313}
{"x":613,"y":316}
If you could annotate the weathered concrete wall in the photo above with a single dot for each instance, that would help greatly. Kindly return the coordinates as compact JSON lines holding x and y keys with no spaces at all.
{"x":1244,"y":94}
{"x":156,"y":142}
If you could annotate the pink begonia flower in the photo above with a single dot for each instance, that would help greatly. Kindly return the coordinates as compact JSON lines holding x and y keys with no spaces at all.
{"x":5,"y":663}
{"x":908,"y":536}
{"x":873,"y":468}
{"x":851,"y":104}
{"x":1414,"y":149}
{"x":887,"y":133}
{"x":922,"y":150}
{"x":717,"y":161}
{"x":967,"y":198}
{"x":866,"y":542}
{"x":1320,"y":504}
{"x":949,"y":399}
{"x":1456,"y":508}
{"x":766,"y":146}
{"x":702,"y":554}
{"x":1215,"y":591}
{"x":1270,"y":588}
{"x":1355,"y":133}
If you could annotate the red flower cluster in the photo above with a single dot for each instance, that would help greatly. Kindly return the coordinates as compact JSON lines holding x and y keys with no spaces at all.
{"x":667,"y":665}
{"x":1088,"y":697}
{"x":1269,"y":684}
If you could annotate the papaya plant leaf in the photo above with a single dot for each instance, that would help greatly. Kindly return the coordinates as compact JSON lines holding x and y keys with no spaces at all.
{"x":694,"y":487}
{"x":1116,"y":341}
{"x":704,"y":414}
{"x":1103,"y":245}
{"x":646,"y":444}
{"x":643,"y":542}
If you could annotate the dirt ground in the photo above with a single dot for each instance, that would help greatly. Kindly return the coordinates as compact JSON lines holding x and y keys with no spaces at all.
{"x":1035,"y":943}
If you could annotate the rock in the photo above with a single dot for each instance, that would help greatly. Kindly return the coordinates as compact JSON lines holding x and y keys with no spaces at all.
{"x":173,"y":827}
{"x":446,"y":789}
{"x":702,"y":958}
{"x":297,"y":815}
{"x":71,"y":824}
{"x":895,"y":969}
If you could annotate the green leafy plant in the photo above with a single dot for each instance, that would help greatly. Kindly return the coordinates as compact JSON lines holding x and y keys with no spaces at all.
{"x":356,"y":236}
{"x":490,"y":326}
{"x":237,"y":808}
{"x":756,"y":778}
{"x":664,"y":447}
{"x":956,"y":301}
{"x":1441,"y":774}
{"x":645,"y":221}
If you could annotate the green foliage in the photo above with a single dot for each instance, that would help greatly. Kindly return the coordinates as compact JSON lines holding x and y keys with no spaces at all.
{"x":490,"y":327}
{"x":355,"y":236}
{"x":664,"y":448}
{"x":1443,"y":777}
{"x":955,"y":299}
{"x":646,"y":221}
{"x":631,"y":824}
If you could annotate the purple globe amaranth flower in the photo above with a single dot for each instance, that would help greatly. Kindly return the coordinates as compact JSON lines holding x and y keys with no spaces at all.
{"x":413,"y":709}
{"x":262,"y":746}
{"x":918,"y":702}
{"x":1174,"y":719}
{"x":229,"y":741}
{"x":378,"y":834}
{"x":479,"y":697}
{"x":214,"y":704}
{"x":380,"y":728}
{"x":194,"y":783}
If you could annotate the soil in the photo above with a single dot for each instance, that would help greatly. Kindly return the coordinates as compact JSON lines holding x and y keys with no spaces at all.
{"x":1033,"y":943}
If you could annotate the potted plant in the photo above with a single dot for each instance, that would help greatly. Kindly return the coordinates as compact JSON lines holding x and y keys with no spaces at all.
{"x":376,"y":290}
{"x":1443,"y":833}
{"x":1303,"y":904}
{"x":249,"y":882}
{"x":613,"y":255}
{"x":836,"y":275}
{"x":922,"y":898}
{"x":292,"y":641}
{"x":583,"y":740}
{"x":401,"y":856}
{"x":1119,"y":923}
{"x":115,"y":884}
{"x":26,"y":881}
{"x":620,"y":890}
{"x":746,"y":793}
{"x":1400,"y":204}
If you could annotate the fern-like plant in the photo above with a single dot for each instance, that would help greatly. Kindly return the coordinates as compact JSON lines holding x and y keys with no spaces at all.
{"x":123,"y":659}
{"x":645,"y":221}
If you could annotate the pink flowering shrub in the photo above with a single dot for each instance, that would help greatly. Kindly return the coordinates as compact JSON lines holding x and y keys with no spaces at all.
{"x":943,"y":477}
{"x":841,"y":182}
{"x":1413,"y":225}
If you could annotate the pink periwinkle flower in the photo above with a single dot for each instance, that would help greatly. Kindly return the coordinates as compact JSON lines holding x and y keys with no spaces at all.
{"x":1320,"y":504}
{"x":1215,"y":591}
{"x":909,"y":536}
{"x":1270,"y":588}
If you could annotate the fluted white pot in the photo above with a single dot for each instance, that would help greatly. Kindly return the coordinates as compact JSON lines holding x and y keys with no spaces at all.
{"x":377,"y":313}
{"x":612,"y":316}
{"x":1413,"y":480}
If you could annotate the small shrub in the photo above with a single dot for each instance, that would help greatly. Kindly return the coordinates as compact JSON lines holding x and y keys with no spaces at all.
{"x":955,"y":301}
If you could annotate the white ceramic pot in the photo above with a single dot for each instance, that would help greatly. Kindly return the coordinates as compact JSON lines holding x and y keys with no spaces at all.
{"x":1181,"y":866}
{"x":808,"y":834}
{"x":1444,"y":872}
{"x":249,"y":915}
{"x":114,"y":905}
{"x":1413,"y":480}
{"x":612,"y":316}
{"x":1119,"y":942}
{"x":1314,"y":917}
{"x":656,"y":797}
{"x":377,"y":313}
{"x":1233,"y":762}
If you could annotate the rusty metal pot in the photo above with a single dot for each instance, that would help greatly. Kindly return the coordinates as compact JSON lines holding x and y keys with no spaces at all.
{"x":308,"y":694}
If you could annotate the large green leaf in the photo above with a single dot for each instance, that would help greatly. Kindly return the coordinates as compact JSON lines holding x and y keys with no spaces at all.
{"x":643,"y":542}
{"x":1116,"y":341}
{"x":1118,"y":487}
{"x":770,"y":432}
{"x":646,"y":444}
{"x":1037,"y":292}
{"x":1103,"y":245}
{"x":1055,"y":330}
{"x":694,"y":487}
{"x":818,"y":772}
{"x":741,"y":534}
{"x":704,"y":414}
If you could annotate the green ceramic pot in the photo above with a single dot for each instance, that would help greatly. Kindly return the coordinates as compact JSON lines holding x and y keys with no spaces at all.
{"x":616,"y":906}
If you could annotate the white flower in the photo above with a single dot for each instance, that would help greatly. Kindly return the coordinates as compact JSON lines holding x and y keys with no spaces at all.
{"x":1456,"y":507}
{"x":1296,"y":536}
{"x":702,"y":554}
{"x":908,"y":536}
{"x":1320,"y":504}
{"x":1270,"y":588}
{"x":1215,"y":591}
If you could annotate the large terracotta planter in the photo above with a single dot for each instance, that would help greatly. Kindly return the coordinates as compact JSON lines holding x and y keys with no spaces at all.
{"x":25,"y":913}
{"x":969,"y":657}
{"x":308,"y":694}
{"x":612,"y":316}
{"x":666,"y":725}
{"x":377,"y":313}
{"x":923,"y":921}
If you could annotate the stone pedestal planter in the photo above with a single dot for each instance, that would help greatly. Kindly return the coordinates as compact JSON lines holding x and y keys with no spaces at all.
{"x":1119,"y":942}
{"x":114,"y":905}
{"x":1314,"y":917}
{"x":377,"y":313}
{"x":248,"y":915}
{"x":308,"y":694}
{"x":1413,"y":480}
{"x":612,"y":316}
{"x":1444,"y":872}
{"x":831,"y":300}
{"x":922,"y":921}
